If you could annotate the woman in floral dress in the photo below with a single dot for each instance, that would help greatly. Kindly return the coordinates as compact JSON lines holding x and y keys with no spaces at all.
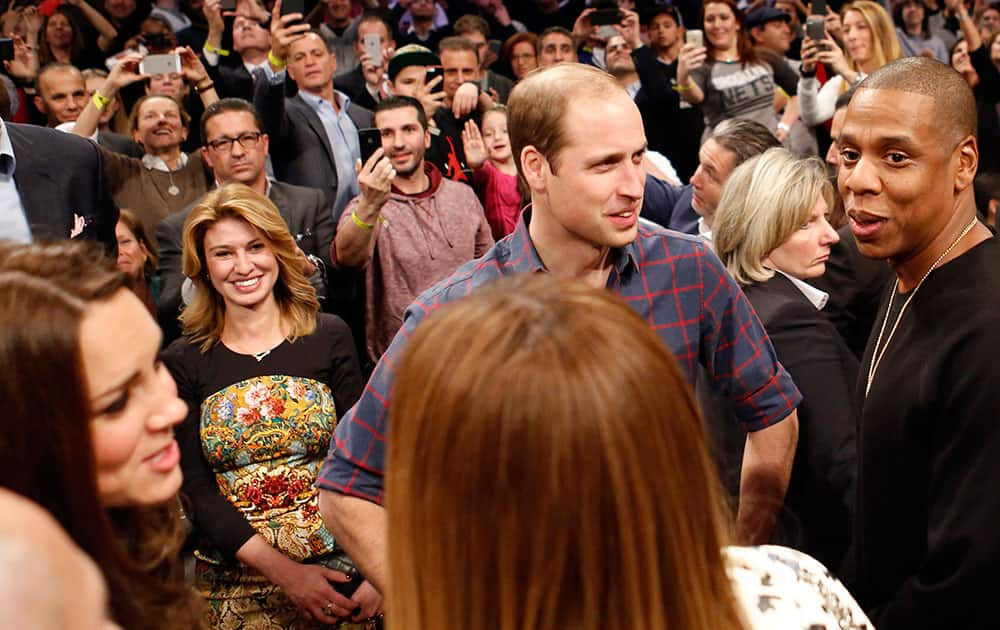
{"x":265,"y":375}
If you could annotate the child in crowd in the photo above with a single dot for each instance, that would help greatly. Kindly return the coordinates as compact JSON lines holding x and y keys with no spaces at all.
{"x":489,"y":155}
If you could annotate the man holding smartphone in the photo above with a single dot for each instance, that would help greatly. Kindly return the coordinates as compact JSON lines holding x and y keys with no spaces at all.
{"x":366,"y":85}
{"x":409,"y":227}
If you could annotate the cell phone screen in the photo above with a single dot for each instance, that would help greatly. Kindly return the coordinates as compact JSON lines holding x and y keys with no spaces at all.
{"x":605,"y":17}
{"x":816,"y":28}
{"x":373,"y":48}
{"x":431,"y":74}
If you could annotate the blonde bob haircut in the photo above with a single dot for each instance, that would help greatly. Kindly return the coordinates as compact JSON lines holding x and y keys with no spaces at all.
{"x":765,"y":200}
{"x":548,"y":469}
{"x":204,"y":318}
{"x":885,"y":43}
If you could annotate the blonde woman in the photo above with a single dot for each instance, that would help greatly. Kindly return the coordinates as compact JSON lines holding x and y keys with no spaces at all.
{"x":870,"y":42}
{"x":772,"y":233}
{"x":265,"y":376}
{"x":538,"y":482}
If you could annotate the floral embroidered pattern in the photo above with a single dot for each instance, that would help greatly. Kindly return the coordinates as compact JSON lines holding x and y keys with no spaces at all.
{"x":266,"y":438}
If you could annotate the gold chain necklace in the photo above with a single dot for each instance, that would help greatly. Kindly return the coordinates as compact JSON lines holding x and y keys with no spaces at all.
{"x":876,"y":355}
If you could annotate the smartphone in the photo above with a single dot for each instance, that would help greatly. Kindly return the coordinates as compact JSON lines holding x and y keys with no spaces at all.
{"x":227,"y":5}
{"x":293,"y":6}
{"x":371,"y":139}
{"x":816,"y":28}
{"x":605,"y":17}
{"x":819,"y":7}
{"x":6,"y":49}
{"x":160,"y":64}
{"x":373,"y":48}
{"x":695,"y":37}
{"x":433,"y":72}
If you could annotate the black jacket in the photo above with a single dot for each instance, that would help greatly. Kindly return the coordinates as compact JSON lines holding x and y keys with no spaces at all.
{"x":60,"y":178}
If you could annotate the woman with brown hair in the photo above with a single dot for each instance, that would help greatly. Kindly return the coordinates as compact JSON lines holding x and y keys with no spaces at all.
{"x":137,"y":259}
{"x":265,"y":375}
{"x":548,"y":469}
{"x":87,"y":429}
{"x":728,"y":78}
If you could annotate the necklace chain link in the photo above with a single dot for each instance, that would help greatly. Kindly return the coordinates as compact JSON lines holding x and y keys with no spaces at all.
{"x":876,"y":354}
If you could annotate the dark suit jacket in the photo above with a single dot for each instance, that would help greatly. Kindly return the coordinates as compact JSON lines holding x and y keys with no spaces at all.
{"x":309,"y":220}
{"x":60,"y":178}
{"x":300,"y":149}
{"x":820,"y":500}
{"x":856,"y":285}
{"x":353,"y":85}
{"x":231,"y":81}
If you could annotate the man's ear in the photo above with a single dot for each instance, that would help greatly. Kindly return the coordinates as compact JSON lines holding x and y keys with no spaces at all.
{"x":207,"y":156}
{"x":40,"y":105}
{"x":967,"y":163}
{"x":535,"y":168}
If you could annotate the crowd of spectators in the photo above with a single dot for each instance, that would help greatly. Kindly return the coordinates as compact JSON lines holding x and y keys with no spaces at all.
{"x":220,"y":219}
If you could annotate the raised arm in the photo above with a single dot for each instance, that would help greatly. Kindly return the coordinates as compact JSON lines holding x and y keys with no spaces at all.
{"x":690,"y":58}
{"x":126,"y":72}
{"x":107,"y":33}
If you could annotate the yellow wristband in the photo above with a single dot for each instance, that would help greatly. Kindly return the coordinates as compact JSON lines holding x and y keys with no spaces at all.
{"x":361,"y":224}
{"x":222,"y":52}
{"x":277,"y":63}
{"x":100,"y":101}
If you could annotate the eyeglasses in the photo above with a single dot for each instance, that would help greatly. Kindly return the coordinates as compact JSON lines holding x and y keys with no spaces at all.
{"x":246,"y":140}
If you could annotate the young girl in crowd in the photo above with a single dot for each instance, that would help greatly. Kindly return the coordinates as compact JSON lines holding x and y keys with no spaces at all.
{"x":490,"y":157}
{"x":87,"y":429}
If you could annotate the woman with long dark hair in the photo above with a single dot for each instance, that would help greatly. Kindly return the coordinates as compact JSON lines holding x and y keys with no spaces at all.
{"x":87,"y":429}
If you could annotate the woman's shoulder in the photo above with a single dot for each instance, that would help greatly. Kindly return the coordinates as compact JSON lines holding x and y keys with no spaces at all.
{"x":778,"y":587}
{"x":331,"y":327}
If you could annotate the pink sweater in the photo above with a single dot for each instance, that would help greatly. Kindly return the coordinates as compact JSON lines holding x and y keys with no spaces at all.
{"x":500,"y":196}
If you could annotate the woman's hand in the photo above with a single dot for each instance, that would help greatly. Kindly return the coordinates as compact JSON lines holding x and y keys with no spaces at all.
{"x":810,"y":54}
{"x":125,"y":72}
{"x":690,"y":58}
{"x":191,"y":67}
{"x":369,"y":600}
{"x":308,"y":586}
{"x":830,"y":54}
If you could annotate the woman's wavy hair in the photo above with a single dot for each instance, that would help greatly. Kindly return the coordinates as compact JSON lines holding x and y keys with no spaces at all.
{"x":45,"y":438}
{"x":765,"y":200}
{"x":885,"y":42}
{"x":744,"y":43}
{"x":204,"y":318}
{"x":547,"y":468}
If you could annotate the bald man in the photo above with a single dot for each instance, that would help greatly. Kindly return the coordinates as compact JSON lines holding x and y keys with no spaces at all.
{"x":46,"y":582}
{"x":927,"y":526}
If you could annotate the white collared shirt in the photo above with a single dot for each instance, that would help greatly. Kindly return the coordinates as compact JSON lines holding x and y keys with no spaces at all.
{"x":815,"y":296}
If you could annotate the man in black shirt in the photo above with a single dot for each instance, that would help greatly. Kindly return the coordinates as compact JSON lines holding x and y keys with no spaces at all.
{"x":926,"y":540}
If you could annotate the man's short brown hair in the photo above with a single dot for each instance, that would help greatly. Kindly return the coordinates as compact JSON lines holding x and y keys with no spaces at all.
{"x":456,"y":43}
{"x":472,"y":24}
{"x":538,"y":104}
{"x":954,"y":103}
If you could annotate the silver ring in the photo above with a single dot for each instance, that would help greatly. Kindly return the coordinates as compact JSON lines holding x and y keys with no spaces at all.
{"x":328,"y":609}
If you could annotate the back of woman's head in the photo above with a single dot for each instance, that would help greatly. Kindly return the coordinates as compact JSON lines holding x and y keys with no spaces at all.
{"x":547,"y":469}
{"x":885,"y":43}
{"x":204,"y":317}
{"x":764,"y":201}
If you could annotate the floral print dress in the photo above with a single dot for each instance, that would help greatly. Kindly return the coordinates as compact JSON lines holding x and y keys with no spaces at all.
{"x":257,"y":434}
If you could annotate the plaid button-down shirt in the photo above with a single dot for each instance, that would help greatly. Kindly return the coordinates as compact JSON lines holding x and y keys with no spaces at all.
{"x":672,"y":280}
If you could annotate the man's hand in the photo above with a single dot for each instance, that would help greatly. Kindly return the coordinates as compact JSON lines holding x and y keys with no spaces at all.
{"x":284,"y":31}
{"x":375,"y":181}
{"x":369,"y":601}
{"x":475,"y":149}
{"x":690,"y":58}
{"x":212,"y":10}
{"x":466,"y":100}
{"x":252,"y":10}
{"x":582,"y":28}
{"x":767,"y":467}
{"x":629,"y":29}
{"x":431,"y":101}
{"x":498,"y":10}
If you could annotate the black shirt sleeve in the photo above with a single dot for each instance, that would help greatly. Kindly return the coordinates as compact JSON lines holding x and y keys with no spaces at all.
{"x":212,"y":514}
{"x":345,"y":372}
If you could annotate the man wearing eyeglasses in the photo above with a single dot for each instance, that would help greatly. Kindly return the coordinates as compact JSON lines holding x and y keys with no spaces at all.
{"x":236,"y":149}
